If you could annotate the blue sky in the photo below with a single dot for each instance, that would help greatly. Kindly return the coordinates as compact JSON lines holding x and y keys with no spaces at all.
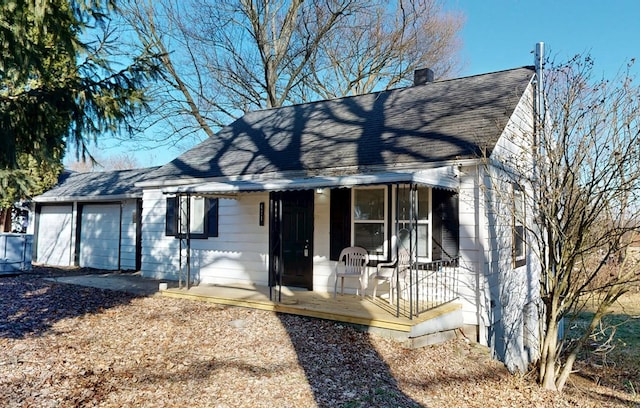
{"x":501,"y":34}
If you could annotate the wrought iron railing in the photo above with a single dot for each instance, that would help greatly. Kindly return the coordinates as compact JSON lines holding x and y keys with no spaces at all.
{"x":426,"y":286}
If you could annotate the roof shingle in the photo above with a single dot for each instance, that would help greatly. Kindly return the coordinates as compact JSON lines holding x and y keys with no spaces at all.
{"x":433,"y":122}
{"x":73,"y":186}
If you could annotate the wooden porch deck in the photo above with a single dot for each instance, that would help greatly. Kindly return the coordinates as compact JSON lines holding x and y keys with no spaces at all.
{"x":377,"y":314}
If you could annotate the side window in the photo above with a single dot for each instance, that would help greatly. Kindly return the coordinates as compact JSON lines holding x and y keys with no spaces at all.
{"x":518,"y":228}
{"x":196,"y":215}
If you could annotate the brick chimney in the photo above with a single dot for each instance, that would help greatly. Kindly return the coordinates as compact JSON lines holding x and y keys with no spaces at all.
{"x":422,"y":76}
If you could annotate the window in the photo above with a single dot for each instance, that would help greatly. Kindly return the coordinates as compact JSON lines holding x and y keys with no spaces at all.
{"x":369,"y":221}
{"x":519,"y":252}
{"x":200,"y":212}
{"x":423,"y":212}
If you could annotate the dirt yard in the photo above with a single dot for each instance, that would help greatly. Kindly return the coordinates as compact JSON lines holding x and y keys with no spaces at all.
{"x":65,"y":346}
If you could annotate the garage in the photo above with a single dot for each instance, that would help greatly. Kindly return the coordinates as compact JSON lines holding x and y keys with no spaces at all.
{"x":100,"y":236}
{"x":54,"y":231}
{"x":91,"y":220}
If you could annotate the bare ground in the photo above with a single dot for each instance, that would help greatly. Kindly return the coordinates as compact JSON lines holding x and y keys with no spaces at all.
{"x":67,"y":346}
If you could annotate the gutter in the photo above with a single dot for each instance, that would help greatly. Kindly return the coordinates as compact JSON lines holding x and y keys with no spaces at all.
{"x":85,"y":199}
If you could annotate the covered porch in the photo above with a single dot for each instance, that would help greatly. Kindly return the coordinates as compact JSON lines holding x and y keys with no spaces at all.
{"x":386,"y":213}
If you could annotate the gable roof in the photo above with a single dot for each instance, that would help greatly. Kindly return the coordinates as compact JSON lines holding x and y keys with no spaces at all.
{"x":96,"y":186}
{"x":433,"y":122}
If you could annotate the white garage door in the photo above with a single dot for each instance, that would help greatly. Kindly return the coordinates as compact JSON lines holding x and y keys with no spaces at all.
{"x":100,"y":236}
{"x":54,"y":235}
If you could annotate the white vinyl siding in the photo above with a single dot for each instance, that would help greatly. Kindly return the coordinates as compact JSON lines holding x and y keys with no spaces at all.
{"x":241,"y":257}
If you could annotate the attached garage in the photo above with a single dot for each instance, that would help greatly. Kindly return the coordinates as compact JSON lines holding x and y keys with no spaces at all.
{"x":91,"y":220}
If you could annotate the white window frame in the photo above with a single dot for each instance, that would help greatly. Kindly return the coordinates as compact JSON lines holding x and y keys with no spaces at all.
{"x":385,"y":221}
{"x":518,"y":220}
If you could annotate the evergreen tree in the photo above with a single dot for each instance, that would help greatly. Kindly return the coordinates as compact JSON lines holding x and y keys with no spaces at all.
{"x":58,"y":88}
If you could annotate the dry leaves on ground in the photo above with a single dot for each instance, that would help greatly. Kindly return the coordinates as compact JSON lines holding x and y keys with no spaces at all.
{"x":66,"y":346}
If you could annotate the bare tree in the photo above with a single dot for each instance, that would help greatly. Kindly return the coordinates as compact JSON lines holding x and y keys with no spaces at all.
{"x":226,"y":57}
{"x":122,"y":161}
{"x":584,"y":197}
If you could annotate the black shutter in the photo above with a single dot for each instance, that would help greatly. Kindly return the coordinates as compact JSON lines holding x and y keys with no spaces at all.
{"x":171,"y":219}
{"x":340,"y":219}
{"x":212,"y":217}
{"x":446,"y":225}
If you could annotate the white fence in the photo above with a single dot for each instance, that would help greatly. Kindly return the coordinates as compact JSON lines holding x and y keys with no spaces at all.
{"x":15,"y":252}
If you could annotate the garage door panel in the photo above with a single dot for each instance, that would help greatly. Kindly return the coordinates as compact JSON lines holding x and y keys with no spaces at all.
{"x":100,"y":232}
{"x":54,"y":235}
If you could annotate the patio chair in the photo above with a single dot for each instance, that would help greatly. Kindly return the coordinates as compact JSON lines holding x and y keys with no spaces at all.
{"x":386,"y":272}
{"x":354,"y":261}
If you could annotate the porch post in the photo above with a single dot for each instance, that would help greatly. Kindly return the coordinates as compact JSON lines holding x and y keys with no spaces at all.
{"x":397,"y":249}
{"x":413,"y":245}
{"x":275,"y":245}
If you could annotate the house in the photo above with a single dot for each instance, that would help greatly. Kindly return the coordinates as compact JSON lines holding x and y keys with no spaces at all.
{"x":278,"y":193}
{"x":91,"y":220}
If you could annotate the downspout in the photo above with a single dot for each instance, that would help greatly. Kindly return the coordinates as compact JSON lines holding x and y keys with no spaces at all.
{"x":120,"y":238}
{"x":538,"y":130}
{"x":480,"y":286}
{"x":188,"y":240}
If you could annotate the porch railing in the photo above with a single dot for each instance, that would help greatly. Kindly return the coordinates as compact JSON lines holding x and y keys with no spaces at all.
{"x":426,"y":286}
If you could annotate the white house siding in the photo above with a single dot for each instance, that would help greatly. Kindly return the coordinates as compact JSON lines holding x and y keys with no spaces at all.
{"x":128,"y":235}
{"x":511,"y":313}
{"x":107,"y":236}
{"x":323,"y":267}
{"x":239,"y":255}
{"x":472,"y":256}
{"x":54,"y":237}
{"x":159,"y":252}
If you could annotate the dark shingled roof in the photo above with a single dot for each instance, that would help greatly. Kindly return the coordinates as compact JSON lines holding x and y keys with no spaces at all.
{"x":80,"y":186}
{"x":434,"y":122}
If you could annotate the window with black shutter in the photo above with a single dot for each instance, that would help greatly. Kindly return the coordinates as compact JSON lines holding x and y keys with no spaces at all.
{"x":193,"y":214}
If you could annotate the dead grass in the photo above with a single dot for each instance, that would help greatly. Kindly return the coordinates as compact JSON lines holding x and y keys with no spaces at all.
{"x":613,"y":355}
{"x":68,"y":346}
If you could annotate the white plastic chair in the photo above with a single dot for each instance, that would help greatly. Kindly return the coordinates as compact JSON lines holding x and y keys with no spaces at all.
{"x":354,"y":261}
{"x":386,"y":272}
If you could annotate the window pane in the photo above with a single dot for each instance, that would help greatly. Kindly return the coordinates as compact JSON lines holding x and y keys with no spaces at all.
{"x":183,"y":215}
{"x":404,"y":204}
{"x":423,"y":231}
{"x":369,"y":204}
{"x":519,"y":242}
{"x":519,"y":207}
{"x":197,"y":215}
{"x":370,"y":237}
